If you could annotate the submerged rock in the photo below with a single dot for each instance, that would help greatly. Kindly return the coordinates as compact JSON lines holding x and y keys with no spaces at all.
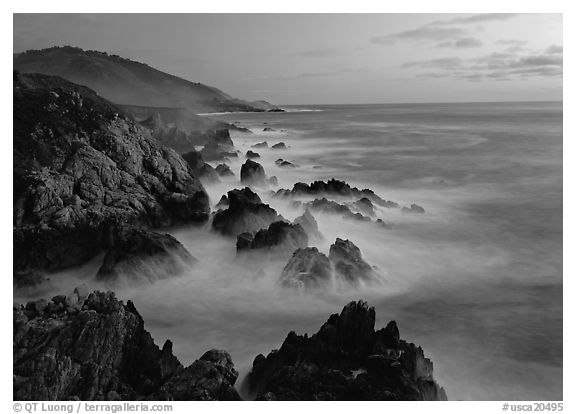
{"x":279,"y":146}
{"x":252,"y":173}
{"x":349,"y":264}
{"x":260,"y":145}
{"x":346,"y":360}
{"x":332,"y":207}
{"x":280,"y":239}
{"x":307,"y":269}
{"x":251,"y":154}
{"x":245,"y":213}
{"x":96,"y":348}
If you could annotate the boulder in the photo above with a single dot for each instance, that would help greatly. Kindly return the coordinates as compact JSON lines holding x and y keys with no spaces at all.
{"x":103,"y":352}
{"x":346,"y":360}
{"x":307,"y":269}
{"x":263,"y":144}
{"x":252,"y":173}
{"x":245,"y":213}
{"x":268,"y":129}
{"x":349,"y":264}
{"x":279,"y":146}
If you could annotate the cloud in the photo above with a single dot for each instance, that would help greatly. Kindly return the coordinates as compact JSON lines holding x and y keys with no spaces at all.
{"x":511,"y":42}
{"x":307,"y":75}
{"x":553,"y":50}
{"x":476,"y":18}
{"x":462,"y":43}
{"x":495,"y":66}
{"x":320,"y":53}
{"x":424,"y":33}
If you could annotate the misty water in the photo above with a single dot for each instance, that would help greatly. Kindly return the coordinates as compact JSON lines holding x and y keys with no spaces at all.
{"x":476,"y":280}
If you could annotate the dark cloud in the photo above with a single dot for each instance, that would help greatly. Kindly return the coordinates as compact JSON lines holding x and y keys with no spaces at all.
{"x":474,"y":19}
{"x":442,"y":63}
{"x":424,"y":33}
{"x":462,"y":43}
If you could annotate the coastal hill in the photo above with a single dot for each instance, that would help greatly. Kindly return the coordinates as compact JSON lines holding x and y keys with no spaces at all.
{"x":124,"y":81}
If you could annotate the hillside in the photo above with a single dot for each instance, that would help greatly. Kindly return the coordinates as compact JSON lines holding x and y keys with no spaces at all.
{"x":128,"y":82}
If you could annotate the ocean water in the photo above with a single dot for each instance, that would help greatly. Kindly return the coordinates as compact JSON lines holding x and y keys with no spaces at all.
{"x":476,"y":280}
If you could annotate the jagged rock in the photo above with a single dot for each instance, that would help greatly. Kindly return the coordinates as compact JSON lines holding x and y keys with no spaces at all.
{"x":349,"y":264}
{"x":252,"y":173}
{"x":245,"y":213}
{"x":81,"y":164}
{"x":310,"y":225}
{"x":334,"y":187}
{"x":102,"y":351}
{"x":214,"y":151}
{"x":263,"y":144}
{"x":307,"y":269}
{"x":251,"y":154}
{"x":280,"y":239}
{"x":414,"y":208}
{"x":332,"y":207}
{"x":346,"y":360}
{"x":223,"y":203}
{"x":279,"y":146}
{"x":134,"y":250}
{"x":224,"y":170}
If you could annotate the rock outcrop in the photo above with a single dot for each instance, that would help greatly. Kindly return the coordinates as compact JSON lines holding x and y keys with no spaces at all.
{"x":263,"y":144}
{"x":349,"y":264}
{"x":245,"y":214}
{"x":346,"y":360}
{"x":224,"y":170}
{"x":414,"y":208}
{"x":336,"y":188}
{"x":252,"y":173}
{"x":205,"y":172}
{"x":95,"y":347}
{"x":137,"y":253}
{"x":280,"y":239}
{"x":81,"y":166}
{"x":307,"y":269}
{"x":251,"y":154}
{"x":323,"y":205}
{"x":279,"y":146}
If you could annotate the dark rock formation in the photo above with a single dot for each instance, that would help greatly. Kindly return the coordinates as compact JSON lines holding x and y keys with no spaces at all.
{"x":263,"y":144}
{"x":245,"y":213}
{"x":215,"y":150}
{"x":224,"y":170}
{"x":251,"y":154}
{"x":279,"y":146}
{"x":205,"y":172}
{"x":310,"y":225}
{"x":93,"y":347}
{"x":81,"y":166}
{"x":280,"y":239}
{"x":414,"y":208}
{"x":348,"y":263}
{"x":307,"y":269}
{"x":223,"y":203}
{"x":332,"y":207}
{"x":346,"y":360}
{"x":268,"y":129}
{"x":252,"y":173}
{"x":135,"y":250}
{"x":337,"y":188}
{"x":286,"y":164}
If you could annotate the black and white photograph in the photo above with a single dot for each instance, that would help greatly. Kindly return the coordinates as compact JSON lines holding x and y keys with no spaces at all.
{"x":287,"y":207}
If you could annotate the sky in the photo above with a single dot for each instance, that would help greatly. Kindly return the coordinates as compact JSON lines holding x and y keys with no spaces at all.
{"x":329,"y":58}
